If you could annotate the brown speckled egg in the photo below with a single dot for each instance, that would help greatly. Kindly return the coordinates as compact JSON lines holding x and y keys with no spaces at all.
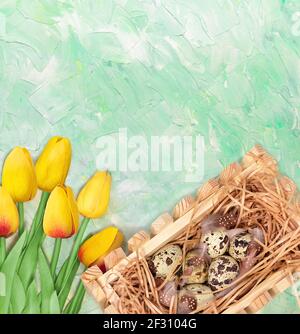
{"x":217,"y":243}
{"x":194,"y":296}
{"x":228,"y":220}
{"x":239,"y":246}
{"x":200,"y":269}
{"x":165,"y":261}
{"x":222,"y":271}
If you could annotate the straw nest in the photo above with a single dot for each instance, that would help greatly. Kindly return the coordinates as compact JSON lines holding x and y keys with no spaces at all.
{"x":260,"y":199}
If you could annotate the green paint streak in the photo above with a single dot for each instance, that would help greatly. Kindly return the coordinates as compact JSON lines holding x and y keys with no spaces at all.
{"x":228,"y":70}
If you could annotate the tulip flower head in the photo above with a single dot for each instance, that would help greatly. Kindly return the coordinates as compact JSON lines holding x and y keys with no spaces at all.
{"x":61,"y":217}
{"x":53,"y":164}
{"x":18,"y":176}
{"x":93,"y":250}
{"x":9,"y":217}
{"x":93,"y":199}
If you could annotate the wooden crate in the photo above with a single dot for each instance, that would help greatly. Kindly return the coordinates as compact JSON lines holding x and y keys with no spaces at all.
{"x":99,"y":285}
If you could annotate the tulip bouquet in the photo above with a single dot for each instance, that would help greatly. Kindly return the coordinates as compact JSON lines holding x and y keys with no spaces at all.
{"x":33,"y":283}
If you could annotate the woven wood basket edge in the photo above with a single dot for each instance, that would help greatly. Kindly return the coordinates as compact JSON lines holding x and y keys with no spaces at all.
{"x":98,"y":285}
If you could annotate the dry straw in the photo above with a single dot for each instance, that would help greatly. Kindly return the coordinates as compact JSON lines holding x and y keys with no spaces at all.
{"x":260,"y":199}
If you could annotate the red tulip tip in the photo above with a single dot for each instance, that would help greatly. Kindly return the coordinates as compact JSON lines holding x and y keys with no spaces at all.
{"x":4,"y":228}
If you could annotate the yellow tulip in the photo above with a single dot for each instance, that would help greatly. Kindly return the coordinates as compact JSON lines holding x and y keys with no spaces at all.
{"x":93,"y":250}
{"x":61,"y":217}
{"x":18,"y":176}
{"x":9,"y":217}
{"x":53,"y":164}
{"x":94,"y":197}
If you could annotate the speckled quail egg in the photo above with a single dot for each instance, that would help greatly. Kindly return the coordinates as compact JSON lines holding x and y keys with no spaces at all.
{"x":222,"y":271}
{"x":217,"y":243}
{"x":199,"y":268}
{"x":165,"y":261}
{"x":193,"y":297}
{"x":239,"y":245}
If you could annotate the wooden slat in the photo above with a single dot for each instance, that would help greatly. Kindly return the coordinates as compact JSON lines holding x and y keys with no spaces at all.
{"x":114,"y":258}
{"x":281,"y":286}
{"x":111,"y":310}
{"x":259,"y":303}
{"x":243,"y":312}
{"x":161,"y":223}
{"x":111,"y":295}
{"x":183,"y":206}
{"x":89,"y":280}
{"x":273,"y":285}
{"x":137,"y":240}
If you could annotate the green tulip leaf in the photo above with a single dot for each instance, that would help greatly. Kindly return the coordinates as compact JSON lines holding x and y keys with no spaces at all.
{"x":64,"y":293}
{"x":49,"y":300}
{"x":18,"y":296}
{"x":54,"y":304}
{"x":9,"y":268}
{"x":33,"y":301}
{"x":75,"y":304}
{"x":67,"y":309}
{"x":60,"y":277}
{"x":29,"y":259}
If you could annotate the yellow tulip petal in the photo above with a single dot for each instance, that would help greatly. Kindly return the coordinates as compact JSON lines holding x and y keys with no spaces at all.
{"x":94,"y":197}
{"x":18,"y":176}
{"x":73,"y":209}
{"x":116,"y":244}
{"x":96,"y":247}
{"x":53,"y":164}
{"x":9,"y":218}
{"x":61,"y":215}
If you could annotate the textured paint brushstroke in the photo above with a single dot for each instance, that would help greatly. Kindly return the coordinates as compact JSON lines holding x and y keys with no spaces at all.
{"x":228,"y":70}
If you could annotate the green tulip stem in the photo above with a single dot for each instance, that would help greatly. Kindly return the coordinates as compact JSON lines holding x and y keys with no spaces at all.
{"x":55,"y":256}
{"x":21,"y":218}
{"x":39,"y":215}
{"x":72,"y":258}
{"x":2,"y":250}
{"x":76,"y":302}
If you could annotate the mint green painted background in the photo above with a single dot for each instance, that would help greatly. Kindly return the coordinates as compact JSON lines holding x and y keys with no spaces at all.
{"x":228,"y":70}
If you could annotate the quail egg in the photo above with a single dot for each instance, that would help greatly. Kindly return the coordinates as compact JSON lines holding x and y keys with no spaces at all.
{"x":222,"y":271}
{"x":239,"y":246}
{"x":167,"y":293}
{"x":199,"y":268}
{"x":217,"y":243}
{"x":193,"y":297}
{"x":165,"y":261}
